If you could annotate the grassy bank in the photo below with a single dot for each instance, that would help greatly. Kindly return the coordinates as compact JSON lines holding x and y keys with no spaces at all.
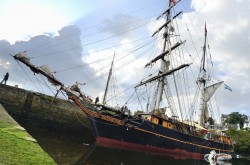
{"x":17,"y":147}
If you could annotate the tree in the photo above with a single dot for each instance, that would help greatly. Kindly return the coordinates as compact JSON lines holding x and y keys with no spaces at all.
{"x":211,"y":121}
{"x":241,"y":140}
{"x":236,"y":118}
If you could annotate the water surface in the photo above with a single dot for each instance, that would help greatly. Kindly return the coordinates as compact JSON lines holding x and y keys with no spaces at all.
{"x":97,"y":155}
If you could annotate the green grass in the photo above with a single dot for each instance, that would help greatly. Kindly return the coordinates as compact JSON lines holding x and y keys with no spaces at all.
{"x":16,"y":150}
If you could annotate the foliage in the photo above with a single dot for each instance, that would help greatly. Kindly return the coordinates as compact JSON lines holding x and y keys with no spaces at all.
{"x":236,"y":118}
{"x":211,"y":121}
{"x":137,"y":112}
{"x":242,"y":140}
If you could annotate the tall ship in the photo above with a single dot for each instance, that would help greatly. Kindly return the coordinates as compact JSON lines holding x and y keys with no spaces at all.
{"x":160,"y":129}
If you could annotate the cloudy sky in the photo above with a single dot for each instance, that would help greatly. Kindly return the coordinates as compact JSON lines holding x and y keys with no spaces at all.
{"x":78,"y":39}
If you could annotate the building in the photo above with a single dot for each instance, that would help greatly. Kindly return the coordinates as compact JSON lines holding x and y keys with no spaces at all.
{"x":223,"y":118}
{"x":225,"y":126}
{"x":247,"y":123}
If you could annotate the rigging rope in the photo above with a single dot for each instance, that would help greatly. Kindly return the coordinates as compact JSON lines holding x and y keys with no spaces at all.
{"x":121,"y":66}
{"x":108,"y":58}
{"x":98,"y":24}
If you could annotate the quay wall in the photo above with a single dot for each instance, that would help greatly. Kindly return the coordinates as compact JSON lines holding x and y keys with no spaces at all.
{"x":59,"y":126}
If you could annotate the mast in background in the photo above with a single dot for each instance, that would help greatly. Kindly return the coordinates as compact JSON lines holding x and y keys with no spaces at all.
{"x":107,"y":85}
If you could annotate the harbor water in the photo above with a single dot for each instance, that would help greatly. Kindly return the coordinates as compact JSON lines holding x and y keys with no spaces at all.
{"x":98,"y":155}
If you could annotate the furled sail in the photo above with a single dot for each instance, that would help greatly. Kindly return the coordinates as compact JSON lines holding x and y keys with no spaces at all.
{"x":166,"y":23}
{"x":162,"y":75}
{"x":44,"y":70}
{"x":51,"y":78}
{"x":22,"y":56}
{"x":164,"y":53}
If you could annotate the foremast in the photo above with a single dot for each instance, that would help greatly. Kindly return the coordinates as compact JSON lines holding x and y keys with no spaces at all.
{"x":202,"y":81}
{"x":206,"y":91}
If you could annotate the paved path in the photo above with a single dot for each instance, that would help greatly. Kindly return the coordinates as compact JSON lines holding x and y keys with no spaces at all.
{"x":5,"y":118}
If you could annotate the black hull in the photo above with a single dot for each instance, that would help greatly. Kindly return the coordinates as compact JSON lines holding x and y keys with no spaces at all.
{"x":145,"y":136}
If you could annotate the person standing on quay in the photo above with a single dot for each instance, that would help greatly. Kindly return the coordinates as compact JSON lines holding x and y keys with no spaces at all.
{"x":5,"y":79}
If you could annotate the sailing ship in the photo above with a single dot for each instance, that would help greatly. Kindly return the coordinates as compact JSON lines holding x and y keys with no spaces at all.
{"x":154,"y":131}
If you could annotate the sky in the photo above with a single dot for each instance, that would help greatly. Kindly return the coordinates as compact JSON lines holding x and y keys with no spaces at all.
{"x":78,"y":39}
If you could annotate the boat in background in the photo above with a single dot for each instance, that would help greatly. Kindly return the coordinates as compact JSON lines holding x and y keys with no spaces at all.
{"x":152,"y":132}
{"x":219,"y":158}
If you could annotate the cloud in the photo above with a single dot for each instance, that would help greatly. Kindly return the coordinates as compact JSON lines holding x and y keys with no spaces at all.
{"x":28,"y":19}
{"x":228,"y":35}
{"x":22,"y":20}
{"x":61,"y":53}
{"x":121,"y":25}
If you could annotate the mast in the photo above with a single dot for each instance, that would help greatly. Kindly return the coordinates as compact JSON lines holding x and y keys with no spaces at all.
{"x":164,"y":66}
{"x":107,"y":85}
{"x":202,"y":81}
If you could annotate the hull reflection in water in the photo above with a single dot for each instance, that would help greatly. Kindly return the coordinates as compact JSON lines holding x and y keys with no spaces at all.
{"x":98,"y":155}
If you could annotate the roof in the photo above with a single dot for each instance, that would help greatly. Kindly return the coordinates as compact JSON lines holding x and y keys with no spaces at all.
{"x":192,"y":123}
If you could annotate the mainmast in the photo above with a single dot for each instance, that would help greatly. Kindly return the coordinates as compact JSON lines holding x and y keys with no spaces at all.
{"x":165,"y":62}
{"x":202,"y":81}
{"x":107,"y":85}
{"x":164,"y":66}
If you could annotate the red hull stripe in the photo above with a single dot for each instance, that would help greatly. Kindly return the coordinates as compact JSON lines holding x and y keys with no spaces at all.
{"x":174,"y":153}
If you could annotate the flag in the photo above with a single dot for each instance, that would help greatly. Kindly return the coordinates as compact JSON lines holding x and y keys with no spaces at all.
{"x":227,"y":87}
{"x":173,"y":1}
